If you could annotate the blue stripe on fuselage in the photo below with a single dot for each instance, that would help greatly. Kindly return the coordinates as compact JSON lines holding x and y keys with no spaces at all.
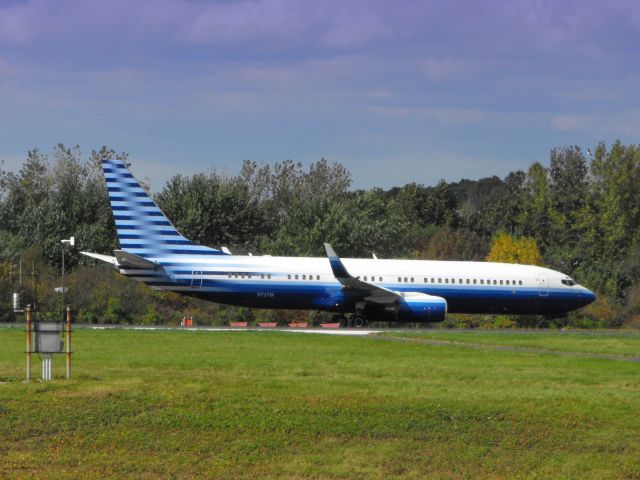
{"x":310,"y":294}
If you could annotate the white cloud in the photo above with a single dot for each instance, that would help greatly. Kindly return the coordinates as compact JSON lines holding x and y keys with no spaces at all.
{"x":445,"y":69}
{"x":14,"y":24}
{"x":351,"y":30}
{"x":444,"y":116}
{"x":244,"y":20}
{"x":618,"y":123}
{"x":571,"y":122}
{"x":5,"y":70}
{"x":427,"y":168}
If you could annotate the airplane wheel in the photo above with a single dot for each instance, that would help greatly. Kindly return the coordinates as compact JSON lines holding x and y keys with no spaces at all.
{"x":341,"y":319}
{"x":359,"y":321}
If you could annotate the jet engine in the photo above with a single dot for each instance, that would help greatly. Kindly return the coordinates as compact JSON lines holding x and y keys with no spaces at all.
{"x":420,"y":307}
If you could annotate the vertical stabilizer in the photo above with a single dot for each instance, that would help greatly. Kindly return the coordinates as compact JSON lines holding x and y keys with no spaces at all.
{"x":142,"y":227}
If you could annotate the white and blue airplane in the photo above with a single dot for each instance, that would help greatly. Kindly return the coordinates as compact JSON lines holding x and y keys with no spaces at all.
{"x":154,"y":252}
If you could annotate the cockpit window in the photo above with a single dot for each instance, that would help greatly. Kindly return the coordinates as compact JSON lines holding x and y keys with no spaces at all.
{"x":569,"y":282}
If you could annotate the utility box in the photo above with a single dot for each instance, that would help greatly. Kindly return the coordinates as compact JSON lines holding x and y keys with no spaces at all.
{"x":48,"y":337}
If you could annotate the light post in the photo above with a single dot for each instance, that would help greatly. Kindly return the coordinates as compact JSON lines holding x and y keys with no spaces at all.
{"x":71,"y":241}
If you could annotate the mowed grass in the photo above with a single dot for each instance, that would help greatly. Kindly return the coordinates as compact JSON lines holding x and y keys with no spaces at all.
{"x":622,"y":343}
{"x":186,"y":404}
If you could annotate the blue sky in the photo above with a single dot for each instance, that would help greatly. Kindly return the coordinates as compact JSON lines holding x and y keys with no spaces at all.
{"x":396,"y":91}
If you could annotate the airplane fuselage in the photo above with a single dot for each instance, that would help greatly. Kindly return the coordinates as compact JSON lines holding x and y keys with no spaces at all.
{"x":309,"y":283}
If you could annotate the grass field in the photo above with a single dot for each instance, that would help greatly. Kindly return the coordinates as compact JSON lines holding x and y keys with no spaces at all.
{"x":622,"y":343}
{"x":179,"y":404}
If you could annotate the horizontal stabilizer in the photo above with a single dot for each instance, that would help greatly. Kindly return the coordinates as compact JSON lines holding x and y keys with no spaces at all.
{"x":129,"y":260}
{"x":124,"y":260}
{"x":104,"y":258}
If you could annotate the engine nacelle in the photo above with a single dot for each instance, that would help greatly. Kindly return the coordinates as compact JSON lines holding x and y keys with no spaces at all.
{"x":420,"y":307}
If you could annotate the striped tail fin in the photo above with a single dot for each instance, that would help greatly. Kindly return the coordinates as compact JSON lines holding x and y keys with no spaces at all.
{"x":142,"y":227}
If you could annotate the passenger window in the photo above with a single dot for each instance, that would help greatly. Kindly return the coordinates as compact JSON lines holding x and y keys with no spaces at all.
{"x":495,"y":282}
{"x":380,"y":278}
{"x":304,"y":277}
{"x":399,"y":279}
{"x":459,"y":280}
{"x":317,"y":277}
{"x":500,"y":282}
{"x":507,"y":282}
{"x":268,"y":276}
{"x":411,"y":279}
{"x":520,"y":282}
{"x":296,"y":277}
{"x":481,"y":281}
{"x":439,"y":280}
{"x":229,"y":275}
{"x":446,"y":280}
{"x":289,"y":277}
{"x":467,"y":281}
{"x":474,"y":281}
{"x":433,"y":280}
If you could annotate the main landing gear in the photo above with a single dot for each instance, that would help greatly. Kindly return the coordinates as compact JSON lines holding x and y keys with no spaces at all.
{"x":359,"y":321}
{"x":356,"y":320}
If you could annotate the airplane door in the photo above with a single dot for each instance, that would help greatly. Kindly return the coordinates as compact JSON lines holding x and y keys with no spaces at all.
{"x":196,"y":278}
{"x":543,"y":284}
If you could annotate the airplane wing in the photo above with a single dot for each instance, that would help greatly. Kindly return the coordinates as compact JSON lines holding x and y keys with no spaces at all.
{"x":367,"y":291}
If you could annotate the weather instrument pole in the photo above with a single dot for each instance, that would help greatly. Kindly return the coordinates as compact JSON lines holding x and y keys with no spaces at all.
{"x":27,"y":314}
{"x":68,"y":332}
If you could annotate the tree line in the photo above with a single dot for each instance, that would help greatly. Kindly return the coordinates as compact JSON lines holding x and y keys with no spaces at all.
{"x":580,"y":215}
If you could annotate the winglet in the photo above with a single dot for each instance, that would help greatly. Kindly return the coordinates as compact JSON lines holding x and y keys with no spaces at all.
{"x":338,"y":268}
{"x":365,"y":291}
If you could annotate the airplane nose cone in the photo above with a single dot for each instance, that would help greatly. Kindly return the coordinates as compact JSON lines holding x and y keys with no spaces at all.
{"x":588,"y":296}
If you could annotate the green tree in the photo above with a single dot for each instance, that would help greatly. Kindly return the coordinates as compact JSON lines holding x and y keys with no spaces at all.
{"x":448,"y":243}
{"x":151,"y":316}
{"x":50,"y":200}
{"x":213,"y":210}
{"x":427,"y":206}
{"x":534,"y":218}
{"x":114,"y":314}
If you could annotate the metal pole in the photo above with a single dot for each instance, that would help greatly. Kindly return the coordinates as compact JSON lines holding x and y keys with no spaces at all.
{"x":68,"y":342}
{"x":35,"y":292}
{"x":28,"y":317}
{"x":46,"y":367}
{"x":63,"y":274}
